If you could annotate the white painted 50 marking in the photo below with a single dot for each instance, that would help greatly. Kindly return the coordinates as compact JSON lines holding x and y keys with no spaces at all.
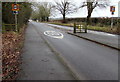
{"x":54,"y":34}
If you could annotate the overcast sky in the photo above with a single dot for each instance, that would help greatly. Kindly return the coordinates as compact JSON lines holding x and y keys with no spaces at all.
{"x":98,"y":12}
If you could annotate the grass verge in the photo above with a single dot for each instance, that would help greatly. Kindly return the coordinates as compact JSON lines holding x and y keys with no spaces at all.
{"x":95,"y":28}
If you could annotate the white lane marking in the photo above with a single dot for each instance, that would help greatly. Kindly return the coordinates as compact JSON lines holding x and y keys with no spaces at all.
{"x":102,"y":33}
{"x":54,"y":34}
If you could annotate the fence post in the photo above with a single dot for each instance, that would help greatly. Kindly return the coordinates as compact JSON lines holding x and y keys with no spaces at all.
{"x":74,"y":31}
{"x":80,"y":27}
{"x":85,"y":28}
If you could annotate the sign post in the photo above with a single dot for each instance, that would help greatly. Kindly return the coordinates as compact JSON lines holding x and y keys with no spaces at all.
{"x":15,"y":9}
{"x":16,"y":29}
{"x":112,"y":10}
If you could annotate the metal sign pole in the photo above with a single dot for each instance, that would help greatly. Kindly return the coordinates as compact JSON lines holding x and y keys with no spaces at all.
{"x":112,"y":21}
{"x":16,"y":23}
{"x":16,"y":19}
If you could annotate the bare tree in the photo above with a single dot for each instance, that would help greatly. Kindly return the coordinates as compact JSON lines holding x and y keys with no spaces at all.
{"x":65,"y":7}
{"x":91,"y":5}
{"x":43,"y":11}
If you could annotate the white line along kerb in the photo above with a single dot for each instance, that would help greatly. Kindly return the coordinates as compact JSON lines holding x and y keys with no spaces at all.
{"x":54,"y":34}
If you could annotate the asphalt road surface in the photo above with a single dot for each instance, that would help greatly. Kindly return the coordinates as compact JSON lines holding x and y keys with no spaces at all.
{"x":90,"y":60}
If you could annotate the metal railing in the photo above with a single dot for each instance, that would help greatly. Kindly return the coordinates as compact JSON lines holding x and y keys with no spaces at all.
{"x":79,"y":28}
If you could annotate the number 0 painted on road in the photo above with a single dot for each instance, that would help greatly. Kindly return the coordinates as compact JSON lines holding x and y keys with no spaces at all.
{"x":54,"y":34}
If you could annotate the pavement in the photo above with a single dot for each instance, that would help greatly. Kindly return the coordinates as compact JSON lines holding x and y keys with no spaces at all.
{"x":39,"y":62}
{"x":86,"y":59}
{"x":107,"y":39}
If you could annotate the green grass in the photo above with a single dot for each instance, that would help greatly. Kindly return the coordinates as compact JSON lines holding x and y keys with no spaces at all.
{"x":63,"y":24}
{"x":103,"y":29}
{"x":95,"y":28}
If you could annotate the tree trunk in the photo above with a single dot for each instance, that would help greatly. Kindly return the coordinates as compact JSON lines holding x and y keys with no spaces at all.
{"x":88,"y":18}
{"x":90,"y":9}
{"x":64,"y":19}
{"x":88,"y":21}
{"x":47,"y":19}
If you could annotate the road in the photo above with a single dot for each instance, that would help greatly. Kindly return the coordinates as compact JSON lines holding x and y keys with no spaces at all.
{"x":39,"y":62}
{"x":90,"y":60}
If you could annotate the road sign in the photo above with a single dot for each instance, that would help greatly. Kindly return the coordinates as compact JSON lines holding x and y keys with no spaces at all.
{"x":15,"y":7}
{"x":15,"y":12}
{"x":112,"y":8}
